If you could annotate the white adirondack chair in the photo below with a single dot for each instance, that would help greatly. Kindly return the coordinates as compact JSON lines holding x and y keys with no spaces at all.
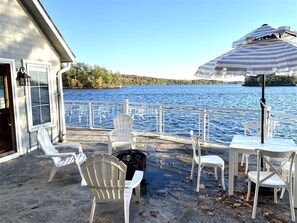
{"x":206,"y":160}
{"x":123,"y":134}
{"x":274,"y":178}
{"x":60,"y":159}
{"x":105,"y":175}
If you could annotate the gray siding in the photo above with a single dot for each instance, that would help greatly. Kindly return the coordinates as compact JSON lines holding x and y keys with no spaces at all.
{"x":20,"y":39}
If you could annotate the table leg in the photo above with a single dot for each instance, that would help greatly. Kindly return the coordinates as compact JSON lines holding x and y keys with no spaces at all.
{"x":235,"y":160}
{"x":231,"y":171}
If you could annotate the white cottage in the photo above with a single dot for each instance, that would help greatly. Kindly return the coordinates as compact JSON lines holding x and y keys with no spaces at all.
{"x":30,"y":42}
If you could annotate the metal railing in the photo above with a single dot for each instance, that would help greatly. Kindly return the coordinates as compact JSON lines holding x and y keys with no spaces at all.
{"x":213,"y":124}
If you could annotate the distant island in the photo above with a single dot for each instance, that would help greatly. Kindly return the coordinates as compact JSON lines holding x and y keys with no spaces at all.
{"x":82,"y":75}
{"x":271,"y":80}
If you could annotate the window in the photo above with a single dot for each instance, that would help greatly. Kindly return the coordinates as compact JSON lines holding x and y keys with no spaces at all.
{"x":39,"y":97}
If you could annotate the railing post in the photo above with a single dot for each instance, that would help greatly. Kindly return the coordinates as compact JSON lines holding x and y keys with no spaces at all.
{"x":90,"y":115}
{"x":268,"y":127}
{"x":203,"y":125}
{"x":126,"y":106}
{"x":160,"y":120}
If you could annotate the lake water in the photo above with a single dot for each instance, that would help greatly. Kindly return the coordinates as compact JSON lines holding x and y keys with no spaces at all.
{"x":222,"y":95}
{"x":283,"y":99}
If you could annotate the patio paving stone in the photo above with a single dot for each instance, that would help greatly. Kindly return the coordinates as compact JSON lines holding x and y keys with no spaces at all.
{"x":167,"y":194}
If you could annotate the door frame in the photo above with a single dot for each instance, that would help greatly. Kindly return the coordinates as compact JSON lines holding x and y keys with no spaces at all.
{"x":18,"y":133}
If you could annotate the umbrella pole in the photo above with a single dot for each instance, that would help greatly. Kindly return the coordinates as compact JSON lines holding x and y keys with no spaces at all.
{"x":262,"y":108}
{"x":262,"y":103}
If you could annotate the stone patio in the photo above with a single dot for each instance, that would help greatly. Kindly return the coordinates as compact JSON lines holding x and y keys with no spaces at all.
{"x":167,"y":194}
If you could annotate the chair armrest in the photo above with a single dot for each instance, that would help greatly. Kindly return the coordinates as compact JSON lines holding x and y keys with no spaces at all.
{"x":137,"y":177}
{"x":69,"y":145}
{"x":62,"y":155}
{"x":134,"y":134}
{"x":109,"y":134}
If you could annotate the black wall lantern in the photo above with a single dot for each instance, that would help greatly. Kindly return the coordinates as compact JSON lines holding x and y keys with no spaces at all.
{"x":22,"y":77}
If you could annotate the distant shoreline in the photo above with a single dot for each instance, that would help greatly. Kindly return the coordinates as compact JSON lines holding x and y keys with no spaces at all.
{"x":168,"y":84}
{"x":284,"y":85}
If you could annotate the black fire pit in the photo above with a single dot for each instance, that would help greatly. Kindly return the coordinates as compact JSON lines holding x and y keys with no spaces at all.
{"x":134,"y":159}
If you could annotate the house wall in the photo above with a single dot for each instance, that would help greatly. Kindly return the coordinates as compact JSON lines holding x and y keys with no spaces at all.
{"x":20,"y":39}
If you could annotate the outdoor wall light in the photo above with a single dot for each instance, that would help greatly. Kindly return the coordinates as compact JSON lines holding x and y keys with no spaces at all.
{"x":22,"y":77}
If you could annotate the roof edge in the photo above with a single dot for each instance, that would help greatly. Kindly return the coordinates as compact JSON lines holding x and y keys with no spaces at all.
{"x":36,"y":6}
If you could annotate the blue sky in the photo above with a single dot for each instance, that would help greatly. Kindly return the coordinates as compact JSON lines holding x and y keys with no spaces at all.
{"x":161,"y":38}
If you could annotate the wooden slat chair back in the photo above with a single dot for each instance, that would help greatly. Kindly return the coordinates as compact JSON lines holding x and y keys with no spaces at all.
{"x":123,"y":126}
{"x":60,"y":159}
{"x":47,"y":146}
{"x":273,"y":178}
{"x":105,"y":176}
{"x":123,"y":134}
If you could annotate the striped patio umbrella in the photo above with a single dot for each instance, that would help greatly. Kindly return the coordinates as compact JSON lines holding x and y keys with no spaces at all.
{"x":264,"y":55}
{"x":256,"y":58}
{"x":265,"y":30}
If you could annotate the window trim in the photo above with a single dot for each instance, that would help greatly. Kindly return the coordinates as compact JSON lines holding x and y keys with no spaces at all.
{"x":48,"y":66}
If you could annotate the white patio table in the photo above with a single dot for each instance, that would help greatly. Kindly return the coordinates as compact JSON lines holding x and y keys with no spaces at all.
{"x":248,"y":144}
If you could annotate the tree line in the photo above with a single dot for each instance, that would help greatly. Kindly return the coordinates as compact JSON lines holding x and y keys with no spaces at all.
{"x":271,"y":80}
{"x":82,"y":75}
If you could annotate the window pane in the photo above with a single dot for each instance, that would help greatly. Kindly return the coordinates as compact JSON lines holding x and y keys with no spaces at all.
{"x":34,"y":78}
{"x":44,"y":96}
{"x":43,"y":80}
{"x":36,"y":115}
{"x":46,"y":114}
{"x":35,"y":96}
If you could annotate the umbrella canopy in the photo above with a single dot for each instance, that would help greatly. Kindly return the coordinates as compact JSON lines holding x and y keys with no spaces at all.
{"x":259,"y":52}
{"x":265,"y":30}
{"x":258,"y":57}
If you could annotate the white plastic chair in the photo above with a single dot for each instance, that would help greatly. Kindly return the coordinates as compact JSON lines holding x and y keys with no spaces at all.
{"x":273,"y":179}
{"x":207,"y":160}
{"x":249,"y":129}
{"x":286,"y":171}
{"x":254,"y":129}
{"x":60,"y":159}
{"x":105,"y":176}
{"x":123,"y":134}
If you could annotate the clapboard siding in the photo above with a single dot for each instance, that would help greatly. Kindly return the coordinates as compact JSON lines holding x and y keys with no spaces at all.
{"x":20,"y":37}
